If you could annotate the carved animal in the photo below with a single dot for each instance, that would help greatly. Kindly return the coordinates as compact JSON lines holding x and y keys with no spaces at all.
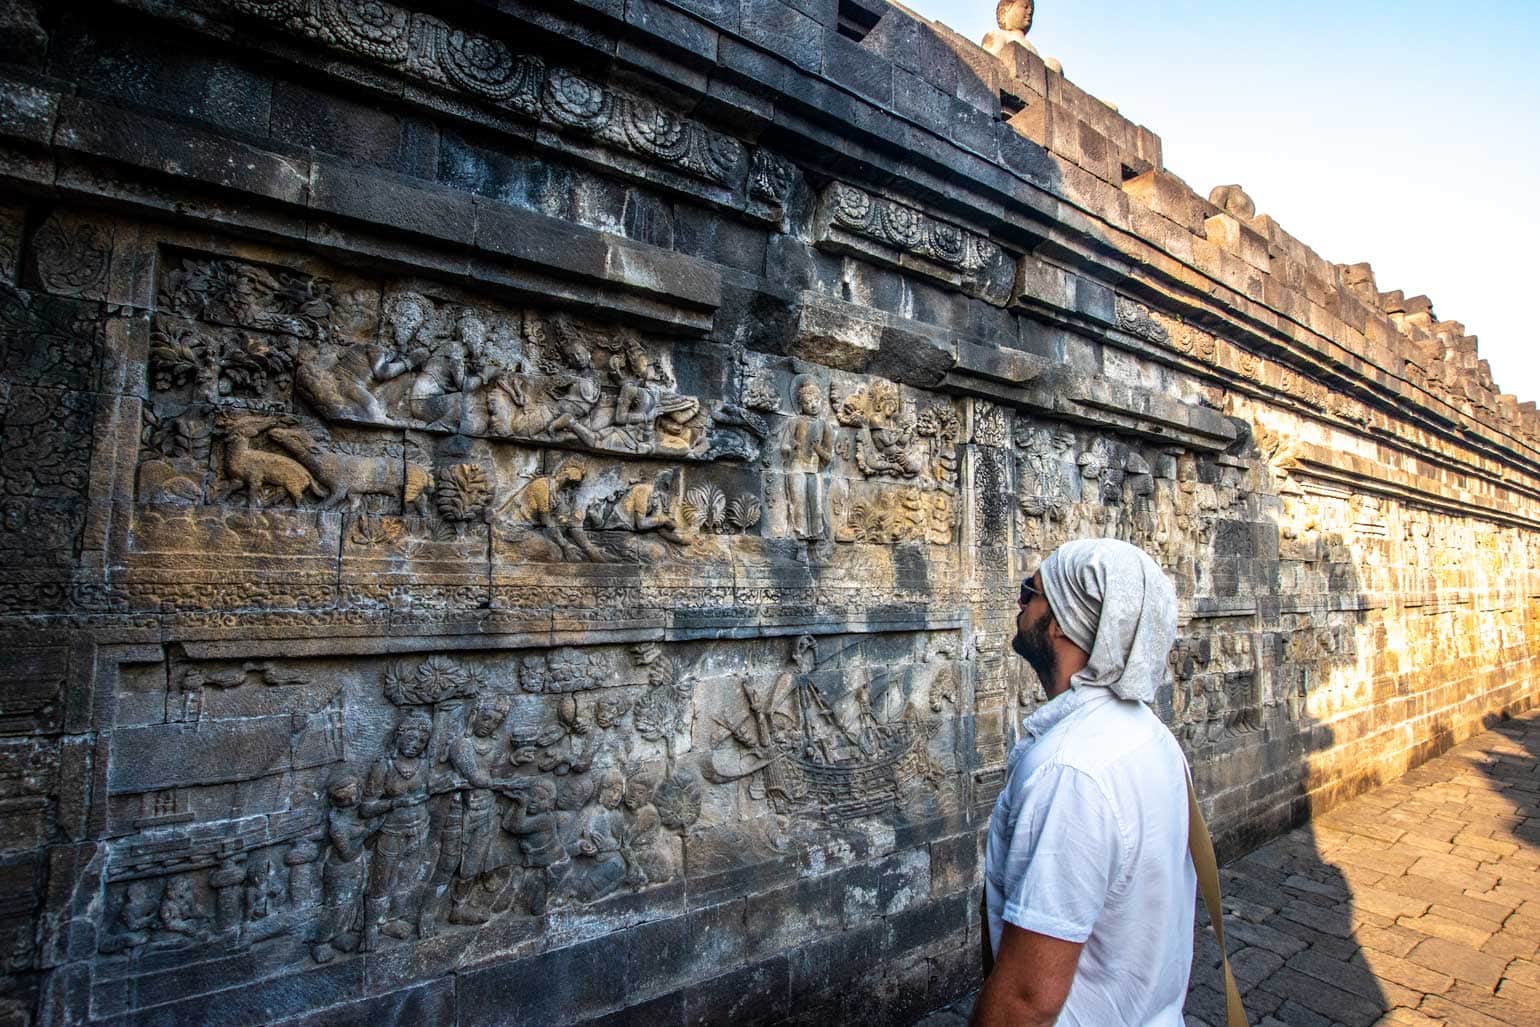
{"x":253,"y":469}
{"x":336,"y":382}
{"x":346,"y":475}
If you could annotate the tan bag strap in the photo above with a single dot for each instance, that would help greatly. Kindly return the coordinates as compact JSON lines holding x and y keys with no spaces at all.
{"x":1202,"y":848}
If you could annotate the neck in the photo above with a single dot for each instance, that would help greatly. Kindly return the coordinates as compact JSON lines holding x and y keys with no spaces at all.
{"x":1058,"y":687}
{"x":1069,"y":660}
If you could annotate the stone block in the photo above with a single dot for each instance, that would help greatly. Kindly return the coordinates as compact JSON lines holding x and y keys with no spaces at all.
{"x":306,"y":119}
{"x":858,"y":69}
{"x":429,"y":1003}
{"x":785,"y":30}
{"x":392,"y":204}
{"x":829,"y":961}
{"x":758,"y":992}
{"x":565,"y":985}
{"x":96,"y":131}
{"x":1168,"y":196}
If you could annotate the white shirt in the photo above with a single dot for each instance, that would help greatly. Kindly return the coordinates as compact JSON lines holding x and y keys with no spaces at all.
{"x":1088,"y":843}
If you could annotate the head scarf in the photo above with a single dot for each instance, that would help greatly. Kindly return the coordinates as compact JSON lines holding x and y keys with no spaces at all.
{"x":1114,"y":602}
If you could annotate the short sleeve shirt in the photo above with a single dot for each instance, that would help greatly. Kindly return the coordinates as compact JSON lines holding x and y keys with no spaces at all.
{"x":1088,"y":843}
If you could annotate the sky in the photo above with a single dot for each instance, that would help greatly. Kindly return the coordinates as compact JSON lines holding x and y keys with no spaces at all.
{"x":1404,"y":134}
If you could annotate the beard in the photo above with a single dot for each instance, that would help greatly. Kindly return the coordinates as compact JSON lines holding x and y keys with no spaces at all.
{"x":1032,"y":645}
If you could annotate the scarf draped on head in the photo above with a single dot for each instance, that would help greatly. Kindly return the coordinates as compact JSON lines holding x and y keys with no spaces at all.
{"x":1116,"y":603}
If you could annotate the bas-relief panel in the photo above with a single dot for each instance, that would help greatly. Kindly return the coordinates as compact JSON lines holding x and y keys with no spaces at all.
{"x":1203,"y":517}
{"x":312,"y":436}
{"x":282,"y":399}
{"x":313,"y":809}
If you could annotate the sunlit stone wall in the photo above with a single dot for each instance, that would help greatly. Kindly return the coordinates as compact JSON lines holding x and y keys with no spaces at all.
{"x":512,"y":513}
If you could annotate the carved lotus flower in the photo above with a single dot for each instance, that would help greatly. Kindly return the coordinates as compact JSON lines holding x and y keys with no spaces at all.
{"x":851,"y":205}
{"x":903,"y":225}
{"x":576,"y":100}
{"x":479,"y":52}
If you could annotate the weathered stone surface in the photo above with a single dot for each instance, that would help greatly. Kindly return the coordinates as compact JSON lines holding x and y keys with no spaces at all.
{"x":518,"y":509}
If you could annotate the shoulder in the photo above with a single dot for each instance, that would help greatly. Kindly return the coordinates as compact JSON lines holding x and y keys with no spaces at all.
{"x":1115,"y":733}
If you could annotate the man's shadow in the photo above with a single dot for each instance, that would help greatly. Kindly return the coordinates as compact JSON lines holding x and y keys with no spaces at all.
{"x":1315,"y":882}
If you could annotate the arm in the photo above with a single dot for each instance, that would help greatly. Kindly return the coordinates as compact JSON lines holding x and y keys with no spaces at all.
{"x":463,"y":757}
{"x":1055,"y":861}
{"x":1030,"y":981}
{"x":825,"y":447}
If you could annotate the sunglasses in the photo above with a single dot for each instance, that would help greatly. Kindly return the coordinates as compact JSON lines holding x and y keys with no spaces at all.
{"x":1028,"y":590}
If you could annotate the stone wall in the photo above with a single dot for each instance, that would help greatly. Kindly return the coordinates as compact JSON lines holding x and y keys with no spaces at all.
{"x":512,"y":511}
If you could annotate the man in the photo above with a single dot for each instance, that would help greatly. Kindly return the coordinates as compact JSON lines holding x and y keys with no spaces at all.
{"x":1087,"y":879}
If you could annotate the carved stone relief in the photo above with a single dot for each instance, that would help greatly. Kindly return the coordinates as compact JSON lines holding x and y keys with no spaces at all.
{"x":487,"y":69}
{"x":833,"y":745}
{"x":850,"y":218}
{"x":381,"y":803}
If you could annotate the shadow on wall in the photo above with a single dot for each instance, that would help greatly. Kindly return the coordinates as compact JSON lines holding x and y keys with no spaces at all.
{"x":1267,"y":762}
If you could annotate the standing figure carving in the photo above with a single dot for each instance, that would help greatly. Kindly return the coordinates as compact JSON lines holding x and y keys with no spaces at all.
{"x":397,"y":792}
{"x":469,"y":853}
{"x":342,"y":876}
{"x":807,"y":447}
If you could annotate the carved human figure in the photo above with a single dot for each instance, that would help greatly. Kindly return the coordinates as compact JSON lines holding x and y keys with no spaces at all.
{"x":469,"y":856}
{"x":647,"y":506}
{"x":646,"y":861}
{"x":647,"y":406}
{"x":509,"y":410}
{"x":265,"y":891}
{"x":180,"y":913}
{"x":807,"y":446}
{"x":599,"y":866}
{"x":342,"y":876}
{"x":550,"y":502}
{"x":886,"y":443}
{"x":446,"y":371}
{"x":397,"y":792}
{"x":531,"y":819}
{"x":576,"y":410}
{"x":137,"y":917}
{"x":608,"y":735}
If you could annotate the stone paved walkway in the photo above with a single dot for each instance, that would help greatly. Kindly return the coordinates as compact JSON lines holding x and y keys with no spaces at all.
{"x":1415,"y":904}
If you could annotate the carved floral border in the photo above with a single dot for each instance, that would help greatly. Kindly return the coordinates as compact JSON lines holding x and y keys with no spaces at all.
{"x":433,"y":50}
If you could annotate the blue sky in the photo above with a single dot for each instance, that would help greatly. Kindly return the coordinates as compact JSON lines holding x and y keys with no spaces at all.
{"x":1407,"y":135}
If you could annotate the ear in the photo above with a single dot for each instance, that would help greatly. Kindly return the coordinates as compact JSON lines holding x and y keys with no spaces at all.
{"x":1054,"y":631}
